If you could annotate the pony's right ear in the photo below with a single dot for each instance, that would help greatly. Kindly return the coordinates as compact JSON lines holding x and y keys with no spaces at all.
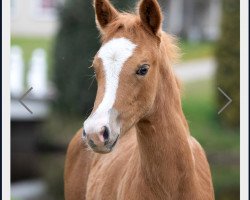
{"x":151,"y":16}
{"x":104,"y":12}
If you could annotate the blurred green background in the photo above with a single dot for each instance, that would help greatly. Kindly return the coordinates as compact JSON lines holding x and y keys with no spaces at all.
{"x":69,"y":52}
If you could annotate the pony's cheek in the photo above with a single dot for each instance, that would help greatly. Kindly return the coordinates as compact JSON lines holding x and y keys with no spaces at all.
{"x":129,"y":118}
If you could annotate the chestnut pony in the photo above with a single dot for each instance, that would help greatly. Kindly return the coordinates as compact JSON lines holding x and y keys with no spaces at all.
{"x":136,"y":143}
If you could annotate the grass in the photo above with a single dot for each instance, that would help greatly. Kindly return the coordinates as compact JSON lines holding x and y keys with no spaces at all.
{"x":28,"y":45}
{"x":200,"y":109}
{"x":196,"y":50}
{"x":190,"y":50}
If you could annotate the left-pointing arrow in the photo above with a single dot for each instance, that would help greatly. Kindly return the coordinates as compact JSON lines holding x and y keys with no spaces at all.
{"x":21,"y":102}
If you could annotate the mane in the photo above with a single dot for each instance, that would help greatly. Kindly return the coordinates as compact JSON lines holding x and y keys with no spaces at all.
{"x":171,"y":52}
{"x":171,"y":47}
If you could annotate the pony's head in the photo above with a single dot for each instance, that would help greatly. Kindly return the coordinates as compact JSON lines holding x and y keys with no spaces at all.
{"x":127,"y":69}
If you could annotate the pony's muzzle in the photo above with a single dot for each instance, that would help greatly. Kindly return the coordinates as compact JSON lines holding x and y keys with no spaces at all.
{"x":101,"y":131}
{"x":101,"y":142}
{"x":98,"y":139}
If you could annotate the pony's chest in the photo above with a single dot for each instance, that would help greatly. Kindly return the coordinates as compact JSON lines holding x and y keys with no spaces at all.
{"x":110,"y":173}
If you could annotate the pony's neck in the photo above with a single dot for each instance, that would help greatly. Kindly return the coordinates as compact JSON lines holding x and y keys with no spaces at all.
{"x":165,"y":153}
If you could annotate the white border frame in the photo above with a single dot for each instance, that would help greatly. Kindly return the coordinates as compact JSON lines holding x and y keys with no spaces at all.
{"x":6,"y":99}
{"x":244,"y":100}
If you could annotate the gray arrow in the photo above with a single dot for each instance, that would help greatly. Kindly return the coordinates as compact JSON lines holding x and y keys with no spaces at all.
{"x":228,"y":98}
{"x":21,"y":102}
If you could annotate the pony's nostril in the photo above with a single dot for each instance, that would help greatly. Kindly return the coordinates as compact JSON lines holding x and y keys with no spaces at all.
{"x":106,"y":134}
{"x":84,"y":133}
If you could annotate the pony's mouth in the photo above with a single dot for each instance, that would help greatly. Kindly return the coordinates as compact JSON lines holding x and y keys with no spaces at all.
{"x":111,"y":146}
{"x":106,"y":148}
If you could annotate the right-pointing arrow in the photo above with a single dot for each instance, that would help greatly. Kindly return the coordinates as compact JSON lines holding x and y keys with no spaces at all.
{"x":229,"y":100}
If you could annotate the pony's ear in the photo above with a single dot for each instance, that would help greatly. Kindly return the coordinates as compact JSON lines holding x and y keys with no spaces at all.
{"x":105,"y":13}
{"x":151,"y":16}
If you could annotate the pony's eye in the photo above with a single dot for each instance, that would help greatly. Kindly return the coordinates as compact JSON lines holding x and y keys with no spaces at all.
{"x":143,"y":69}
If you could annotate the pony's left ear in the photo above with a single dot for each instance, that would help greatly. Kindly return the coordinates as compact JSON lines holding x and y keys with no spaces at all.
{"x":151,"y":16}
{"x":105,"y":13}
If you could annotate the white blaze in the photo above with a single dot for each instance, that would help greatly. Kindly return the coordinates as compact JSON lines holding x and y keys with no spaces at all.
{"x":113,"y":55}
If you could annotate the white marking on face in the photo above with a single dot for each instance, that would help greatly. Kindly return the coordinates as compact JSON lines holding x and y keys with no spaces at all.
{"x":113,"y":55}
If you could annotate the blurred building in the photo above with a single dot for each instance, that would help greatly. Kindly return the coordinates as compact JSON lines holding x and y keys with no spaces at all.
{"x":190,"y":19}
{"x":34,"y":17}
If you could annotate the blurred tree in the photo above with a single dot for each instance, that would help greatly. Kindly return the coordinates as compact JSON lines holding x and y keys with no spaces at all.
{"x":228,"y":59}
{"x":75,"y":45}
